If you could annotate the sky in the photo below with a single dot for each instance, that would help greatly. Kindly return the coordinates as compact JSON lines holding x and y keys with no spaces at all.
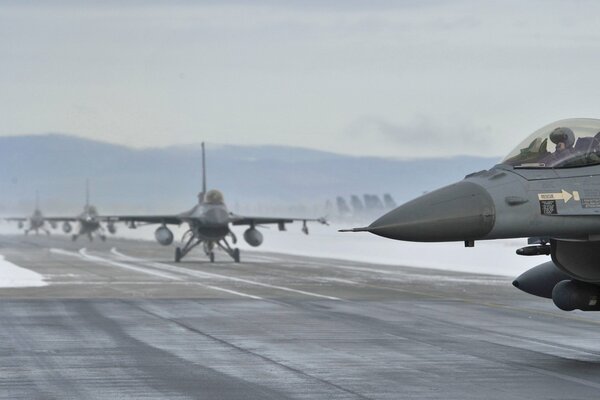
{"x":380,"y":78}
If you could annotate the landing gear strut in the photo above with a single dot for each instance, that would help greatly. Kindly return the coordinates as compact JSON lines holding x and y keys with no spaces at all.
{"x":192,"y":242}
{"x":233,"y":253}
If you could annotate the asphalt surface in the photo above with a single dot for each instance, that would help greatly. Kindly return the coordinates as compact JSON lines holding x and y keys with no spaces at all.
{"x":120,"y":320}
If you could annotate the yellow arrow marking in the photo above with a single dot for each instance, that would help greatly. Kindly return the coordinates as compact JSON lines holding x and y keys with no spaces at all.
{"x":563,"y":195}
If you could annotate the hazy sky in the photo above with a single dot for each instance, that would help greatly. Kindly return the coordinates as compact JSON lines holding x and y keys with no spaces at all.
{"x":403,"y":78}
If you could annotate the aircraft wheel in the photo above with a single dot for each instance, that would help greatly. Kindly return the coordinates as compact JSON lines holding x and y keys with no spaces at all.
{"x":74,"y":237}
{"x":236,"y":255}
{"x":103,"y":238}
{"x":212,"y":257}
{"x":178,"y":254}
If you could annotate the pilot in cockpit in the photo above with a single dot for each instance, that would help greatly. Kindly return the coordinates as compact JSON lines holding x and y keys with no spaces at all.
{"x":564,"y":139}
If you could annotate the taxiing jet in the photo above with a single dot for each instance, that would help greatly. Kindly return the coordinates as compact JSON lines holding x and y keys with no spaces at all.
{"x":547,"y":189}
{"x":89,"y":221}
{"x":36,"y":221}
{"x":209,"y":224}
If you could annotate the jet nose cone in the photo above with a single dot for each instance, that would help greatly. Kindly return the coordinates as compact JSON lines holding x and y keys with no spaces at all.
{"x":462,"y":211}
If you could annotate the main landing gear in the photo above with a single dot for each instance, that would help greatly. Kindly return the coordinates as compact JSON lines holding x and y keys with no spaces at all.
{"x":209,"y":246}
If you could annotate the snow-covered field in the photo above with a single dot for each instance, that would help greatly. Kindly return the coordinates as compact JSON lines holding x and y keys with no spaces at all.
{"x":12,"y":275}
{"x":491,"y":257}
{"x":488,"y":257}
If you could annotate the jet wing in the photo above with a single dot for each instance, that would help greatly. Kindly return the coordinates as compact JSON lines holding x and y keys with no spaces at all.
{"x":144,"y":219}
{"x":18,"y":219}
{"x":61,"y":219}
{"x":252,"y":221}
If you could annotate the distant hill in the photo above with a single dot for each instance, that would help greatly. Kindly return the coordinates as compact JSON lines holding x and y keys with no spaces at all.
{"x":167,"y":179}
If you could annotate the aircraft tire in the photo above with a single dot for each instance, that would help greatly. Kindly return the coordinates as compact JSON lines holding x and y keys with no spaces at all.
{"x":74,"y":237}
{"x":103,"y":238}
{"x":178,"y":254}
{"x":236,"y":255}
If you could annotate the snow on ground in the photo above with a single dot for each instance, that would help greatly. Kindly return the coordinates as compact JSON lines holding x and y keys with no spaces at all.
{"x":12,"y":275}
{"x":487,"y":257}
{"x":495,"y":257}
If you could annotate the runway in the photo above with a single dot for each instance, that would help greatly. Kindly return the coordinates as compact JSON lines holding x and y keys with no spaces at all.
{"x":121,"y":320}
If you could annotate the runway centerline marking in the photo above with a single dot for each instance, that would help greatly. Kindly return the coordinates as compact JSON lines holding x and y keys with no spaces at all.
{"x":213,"y":275}
{"x":88,"y":257}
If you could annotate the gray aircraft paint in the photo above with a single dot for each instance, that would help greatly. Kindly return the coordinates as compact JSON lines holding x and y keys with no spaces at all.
{"x":560,"y":204}
{"x":36,"y":222}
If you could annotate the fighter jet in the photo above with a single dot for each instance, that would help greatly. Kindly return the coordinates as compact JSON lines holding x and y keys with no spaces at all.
{"x":547,"y":189}
{"x":208,"y":224}
{"x":89,"y":221}
{"x":36,"y":221}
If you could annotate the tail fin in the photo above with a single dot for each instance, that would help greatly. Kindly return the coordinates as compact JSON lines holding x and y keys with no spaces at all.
{"x":87,"y":193}
{"x":203,"y":170}
{"x":203,"y":192}
{"x":37,"y":199}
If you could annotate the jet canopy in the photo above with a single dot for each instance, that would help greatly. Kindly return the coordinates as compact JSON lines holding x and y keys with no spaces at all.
{"x":214,"y":197}
{"x":562,"y":144}
{"x":90,"y":210}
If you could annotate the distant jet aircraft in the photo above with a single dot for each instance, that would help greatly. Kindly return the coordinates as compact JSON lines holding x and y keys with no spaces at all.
{"x":357,"y":205}
{"x":389,"y":201}
{"x":546,"y":189}
{"x":342,"y":206}
{"x":89,"y":222}
{"x":372,"y":202}
{"x":36,"y":221}
{"x":208,"y":223}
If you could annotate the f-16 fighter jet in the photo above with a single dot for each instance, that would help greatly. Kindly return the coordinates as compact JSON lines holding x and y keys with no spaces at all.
{"x":546,"y":189}
{"x":89,"y":222}
{"x":36,"y":221}
{"x":209,"y":224}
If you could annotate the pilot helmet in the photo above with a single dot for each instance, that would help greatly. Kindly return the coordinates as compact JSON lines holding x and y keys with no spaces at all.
{"x":563,"y":135}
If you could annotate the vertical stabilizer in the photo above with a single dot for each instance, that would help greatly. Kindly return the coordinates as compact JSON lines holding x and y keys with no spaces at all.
{"x":87,"y":193}
{"x":203,"y":192}
{"x":37,"y":199}
{"x":203,"y":170}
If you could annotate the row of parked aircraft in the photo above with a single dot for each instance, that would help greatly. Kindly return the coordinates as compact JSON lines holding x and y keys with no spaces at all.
{"x":208,"y":223}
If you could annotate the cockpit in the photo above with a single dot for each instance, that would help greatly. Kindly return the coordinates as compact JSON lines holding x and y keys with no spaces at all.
{"x":91,"y":210}
{"x":562,"y":144}
{"x":214,"y":197}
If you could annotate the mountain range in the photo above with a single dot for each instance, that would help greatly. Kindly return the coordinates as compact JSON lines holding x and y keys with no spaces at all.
{"x":253,"y":178}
